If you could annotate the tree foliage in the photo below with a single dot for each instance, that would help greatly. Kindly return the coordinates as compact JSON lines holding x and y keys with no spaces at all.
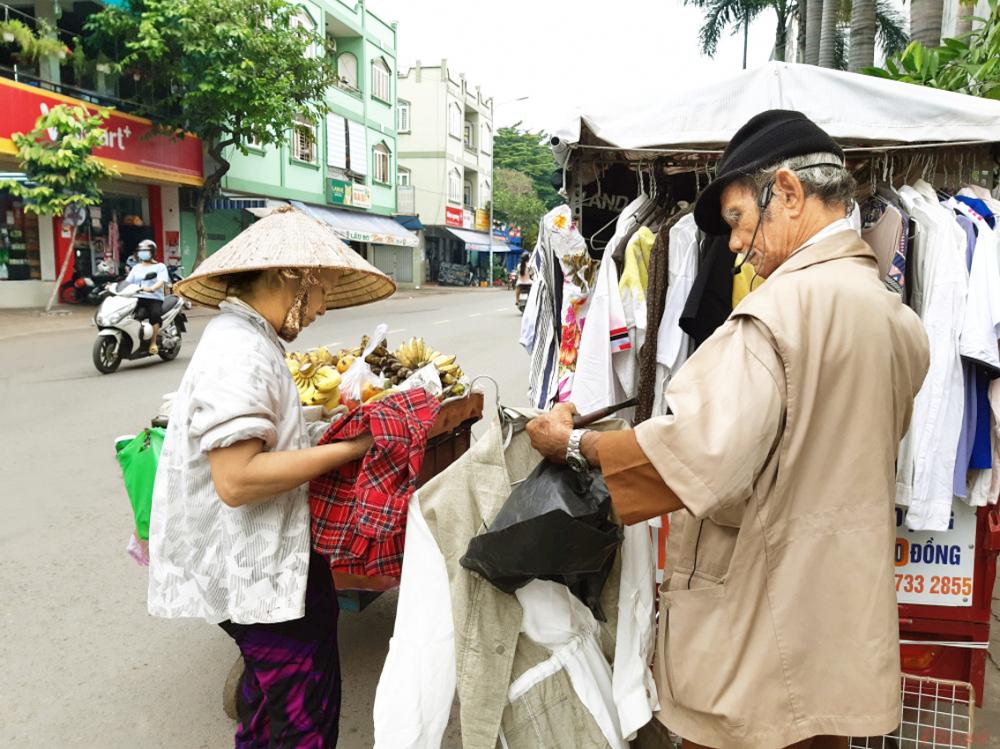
{"x":516,"y":202}
{"x":528,"y":153}
{"x":969,"y":64}
{"x":57,"y":159}
{"x":228,"y":71}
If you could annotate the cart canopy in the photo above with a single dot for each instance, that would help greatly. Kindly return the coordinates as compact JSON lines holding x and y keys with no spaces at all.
{"x":853,"y":108}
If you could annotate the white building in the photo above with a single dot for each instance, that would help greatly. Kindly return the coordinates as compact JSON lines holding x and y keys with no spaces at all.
{"x":445,"y":165}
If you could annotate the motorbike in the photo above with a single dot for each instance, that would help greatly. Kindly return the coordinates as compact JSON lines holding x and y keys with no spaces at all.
{"x":523,"y":290}
{"x":124,"y":334}
{"x":83,"y":289}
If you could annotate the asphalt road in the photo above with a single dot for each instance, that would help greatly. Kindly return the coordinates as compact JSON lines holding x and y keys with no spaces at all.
{"x":81,"y":662}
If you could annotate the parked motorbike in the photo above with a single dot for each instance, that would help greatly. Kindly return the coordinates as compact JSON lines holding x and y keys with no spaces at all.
{"x":123,"y":334}
{"x":523,"y":290}
{"x":87,"y":289}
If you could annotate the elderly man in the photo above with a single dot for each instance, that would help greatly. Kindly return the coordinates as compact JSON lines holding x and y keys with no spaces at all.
{"x":778,"y":626}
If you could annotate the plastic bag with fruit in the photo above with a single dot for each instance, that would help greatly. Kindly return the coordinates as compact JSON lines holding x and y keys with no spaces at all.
{"x":358,"y":383}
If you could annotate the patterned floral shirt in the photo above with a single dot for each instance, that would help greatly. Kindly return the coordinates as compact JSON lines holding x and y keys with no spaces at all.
{"x":246,"y":564}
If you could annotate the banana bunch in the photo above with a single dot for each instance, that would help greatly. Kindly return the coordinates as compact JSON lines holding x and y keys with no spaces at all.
{"x":318,"y":382}
{"x":415,"y":354}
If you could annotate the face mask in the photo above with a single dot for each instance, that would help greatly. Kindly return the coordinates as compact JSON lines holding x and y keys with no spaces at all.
{"x":144,"y":255}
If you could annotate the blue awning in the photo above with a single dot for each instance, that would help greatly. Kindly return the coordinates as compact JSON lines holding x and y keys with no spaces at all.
{"x":361,"y":227}
{"x":480,"y":241}
{"x":410,"y":222}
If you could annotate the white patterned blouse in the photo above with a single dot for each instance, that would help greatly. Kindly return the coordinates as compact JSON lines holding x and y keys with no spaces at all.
{"x":246,"y":564}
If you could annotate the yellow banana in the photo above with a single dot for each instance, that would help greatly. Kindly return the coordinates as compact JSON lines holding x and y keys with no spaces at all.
{"x":443,"y":360}
{"x":326,"y":384}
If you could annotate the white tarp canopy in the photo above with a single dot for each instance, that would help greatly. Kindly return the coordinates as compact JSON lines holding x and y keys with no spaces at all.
{"x":850,"y":107}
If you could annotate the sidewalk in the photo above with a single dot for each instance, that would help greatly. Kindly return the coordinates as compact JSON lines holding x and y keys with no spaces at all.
{"x":15,"y":323}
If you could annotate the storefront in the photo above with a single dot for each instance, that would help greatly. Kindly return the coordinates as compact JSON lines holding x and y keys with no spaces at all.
{"x":382,"y":241}
{"x":143,"y":202}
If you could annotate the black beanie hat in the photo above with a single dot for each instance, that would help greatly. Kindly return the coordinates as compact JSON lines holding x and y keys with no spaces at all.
{"x":766,"y":139}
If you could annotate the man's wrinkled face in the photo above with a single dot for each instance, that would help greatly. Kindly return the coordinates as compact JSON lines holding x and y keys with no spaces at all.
{"x":770,"y":246}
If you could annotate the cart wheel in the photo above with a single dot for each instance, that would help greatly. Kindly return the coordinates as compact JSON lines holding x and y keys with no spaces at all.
{"x":232,"y":687}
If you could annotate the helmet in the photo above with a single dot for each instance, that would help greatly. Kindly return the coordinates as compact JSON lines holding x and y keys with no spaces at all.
{"x":147,"y":244}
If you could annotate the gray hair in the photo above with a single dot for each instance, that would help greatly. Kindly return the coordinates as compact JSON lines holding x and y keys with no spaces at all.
{"x":834,"y":185}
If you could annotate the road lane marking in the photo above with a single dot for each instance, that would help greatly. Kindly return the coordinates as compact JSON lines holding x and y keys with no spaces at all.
{"x":442,"y":322}
{"x":397,"y":330}
{"x":477,"y":314}
{"x":501,"y":309}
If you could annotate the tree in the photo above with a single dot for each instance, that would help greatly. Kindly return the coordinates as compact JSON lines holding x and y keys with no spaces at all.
{"x":62,"y":173}
{"x":739,"y":14}
{"x":518,"y":203}
{"x":862,"y":35}
{"x":231,"y":72}
{"x":925,"y":21}
{"x":528,"y":153}
{"x":814,"y":26}
{"x":968,"y":65}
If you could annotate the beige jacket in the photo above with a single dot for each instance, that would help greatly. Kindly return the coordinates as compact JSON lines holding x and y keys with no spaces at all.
{"x":781,"y":441}
{"x":491,"y":651}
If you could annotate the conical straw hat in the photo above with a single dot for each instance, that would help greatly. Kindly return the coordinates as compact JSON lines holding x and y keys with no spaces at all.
{"x":288,"y":238}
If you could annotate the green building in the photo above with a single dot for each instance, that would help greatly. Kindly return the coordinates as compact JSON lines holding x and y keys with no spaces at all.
{"x":341,"y":169}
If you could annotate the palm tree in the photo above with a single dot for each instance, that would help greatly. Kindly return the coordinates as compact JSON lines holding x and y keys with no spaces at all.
{"x":736,"y":15}
{"x":862,"y":51}
{"x":814,"y":26}
{"x":828,"y":35}
{"x":925,"y":21}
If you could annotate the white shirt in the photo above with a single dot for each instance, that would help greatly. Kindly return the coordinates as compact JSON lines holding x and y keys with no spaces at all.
{"x":925,"y":474}
{"x":417,"y":685}
{"x":247,"y":564}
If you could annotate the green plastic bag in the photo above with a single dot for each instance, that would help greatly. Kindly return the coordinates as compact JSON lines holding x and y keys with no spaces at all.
{"x":138,"y":457}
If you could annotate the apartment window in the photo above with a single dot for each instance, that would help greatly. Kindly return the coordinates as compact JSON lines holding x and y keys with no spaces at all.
{"x":455,"y":120}
{"x":380,"y":160}
{"x":252,"y":142}
{"x":347,"y":71}
{"x":302,"y":20}
{"x":403,"y":177}
{"x":467,"y":134}
{"x":455,"y":186}
{"x":468,"y":194}
{"x":403,"y":116}
{"x":380,"y":81}
{"x":304,"y":140}
{"x":486,"y":139}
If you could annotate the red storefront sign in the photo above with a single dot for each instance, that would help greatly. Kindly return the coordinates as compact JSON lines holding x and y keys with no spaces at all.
{"x":453,"y":216}
{"x":126,"y":147}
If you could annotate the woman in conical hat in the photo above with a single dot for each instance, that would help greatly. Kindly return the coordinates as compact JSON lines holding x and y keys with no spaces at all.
{"x":229,"y":535}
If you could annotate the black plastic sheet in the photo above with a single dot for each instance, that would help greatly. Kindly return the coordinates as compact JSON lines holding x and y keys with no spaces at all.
{"x":554,"y":526}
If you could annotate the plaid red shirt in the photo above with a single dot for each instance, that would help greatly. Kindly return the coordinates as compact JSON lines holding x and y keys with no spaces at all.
{"x":359,"y":509}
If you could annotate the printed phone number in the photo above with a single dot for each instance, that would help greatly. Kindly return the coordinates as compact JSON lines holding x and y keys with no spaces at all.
{"x":945,"y":586}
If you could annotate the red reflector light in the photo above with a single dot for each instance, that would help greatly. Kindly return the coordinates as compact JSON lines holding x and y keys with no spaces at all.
{"x":918,"y":657}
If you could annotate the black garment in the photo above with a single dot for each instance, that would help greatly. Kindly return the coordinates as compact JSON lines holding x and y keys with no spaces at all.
{"x":711,"y":299}
{"x":153,"y":309}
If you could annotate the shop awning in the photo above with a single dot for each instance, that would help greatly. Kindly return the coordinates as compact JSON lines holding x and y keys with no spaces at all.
{"x":480,"y":241}
{"x":361,"y":227}
{"x":409,"y":222}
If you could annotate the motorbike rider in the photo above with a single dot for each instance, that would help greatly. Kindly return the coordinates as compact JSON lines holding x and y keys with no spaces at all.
{"x":150,"y":299}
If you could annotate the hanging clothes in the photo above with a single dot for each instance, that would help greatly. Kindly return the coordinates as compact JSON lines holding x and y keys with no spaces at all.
{"x":632,"y":289}
{"x":531,"y":670}
{"x":882,"y":230}
{"x":653,"y":374}
{"x":710,"y":300}
{"x":927,"y":454}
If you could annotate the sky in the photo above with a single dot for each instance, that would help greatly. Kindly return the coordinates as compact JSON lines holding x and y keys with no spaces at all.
{"x":568,"y":54}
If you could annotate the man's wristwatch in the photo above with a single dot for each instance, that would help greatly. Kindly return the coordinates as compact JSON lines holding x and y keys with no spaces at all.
{"x":574,"y":458}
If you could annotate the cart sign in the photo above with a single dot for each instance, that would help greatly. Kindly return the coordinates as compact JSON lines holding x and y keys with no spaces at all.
{"x":935,"y":568}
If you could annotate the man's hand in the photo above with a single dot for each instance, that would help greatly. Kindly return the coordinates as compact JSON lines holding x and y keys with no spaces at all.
{"x":550,"y":432}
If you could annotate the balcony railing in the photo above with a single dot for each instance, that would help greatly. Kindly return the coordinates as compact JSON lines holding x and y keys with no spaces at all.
{"x":470,"y":147}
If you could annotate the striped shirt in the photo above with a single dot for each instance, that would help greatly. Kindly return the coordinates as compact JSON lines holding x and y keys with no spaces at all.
{"x":246,"y":564}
